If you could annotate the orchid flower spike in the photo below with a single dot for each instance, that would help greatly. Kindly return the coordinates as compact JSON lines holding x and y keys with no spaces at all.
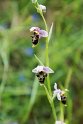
{"x":37,"y":34}
{"x":42,"y":72}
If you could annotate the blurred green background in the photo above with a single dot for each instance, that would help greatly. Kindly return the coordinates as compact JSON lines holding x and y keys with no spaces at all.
{"x":22,"y":99}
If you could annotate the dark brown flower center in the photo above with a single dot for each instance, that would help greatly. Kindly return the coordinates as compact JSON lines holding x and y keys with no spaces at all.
{"x":41,"y":76}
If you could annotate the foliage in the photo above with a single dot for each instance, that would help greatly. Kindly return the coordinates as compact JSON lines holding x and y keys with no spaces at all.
{"x":22,"y":100}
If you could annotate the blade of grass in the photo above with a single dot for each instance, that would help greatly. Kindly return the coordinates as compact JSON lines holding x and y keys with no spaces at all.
{"x":31,"y":102}
{"x":38,"y":60}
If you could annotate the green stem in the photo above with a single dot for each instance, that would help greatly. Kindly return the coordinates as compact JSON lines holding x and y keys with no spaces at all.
{"x":49,"y":87}
{"x":69,"y":101}
{"x":47,"y":57}
{"x":48,"y":91}
{"x":44,"y":21}
{"x":68,"y":78}
{"x":61,"y":112}
{"x":46,"y":28}
{"x":47,"y":64}
{"x":51,"y":102}
{"x":53,"y":110}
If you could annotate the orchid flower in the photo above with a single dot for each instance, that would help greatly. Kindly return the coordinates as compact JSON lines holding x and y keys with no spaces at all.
{"x":43,"y":69}
{"x":37,"y":34}
{"x":40,"y":32}
{"x":42,"y":8}
{"x":42,"y":72}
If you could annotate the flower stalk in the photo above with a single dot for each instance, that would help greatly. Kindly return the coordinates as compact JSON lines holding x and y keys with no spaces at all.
{"x":48,"y":91}
{"x":50,"y":101}
{"x":42,"y":72}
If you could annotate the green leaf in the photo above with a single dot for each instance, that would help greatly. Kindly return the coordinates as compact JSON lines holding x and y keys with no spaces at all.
{"x":38,"y":60}
{"x":47,"y":93}
{"x":32,"y":101}
{"x":50,"y":32}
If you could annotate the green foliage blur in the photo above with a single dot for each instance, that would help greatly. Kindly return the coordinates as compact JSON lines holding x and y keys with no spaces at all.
{"x":22,"y":99}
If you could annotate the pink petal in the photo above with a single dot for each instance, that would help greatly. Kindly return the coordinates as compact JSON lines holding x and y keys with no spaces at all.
{"x":55,"y":86}
{"x":37,"y":69}
{"x":34,"y":29}
{"x":42,"y":7}
{"x":58,"y":97}
{"x":43,"y":33}
{"x":48,"y":70}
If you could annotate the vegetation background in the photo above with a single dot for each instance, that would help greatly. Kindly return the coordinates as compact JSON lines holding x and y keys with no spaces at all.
{"x":22,"y":100}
